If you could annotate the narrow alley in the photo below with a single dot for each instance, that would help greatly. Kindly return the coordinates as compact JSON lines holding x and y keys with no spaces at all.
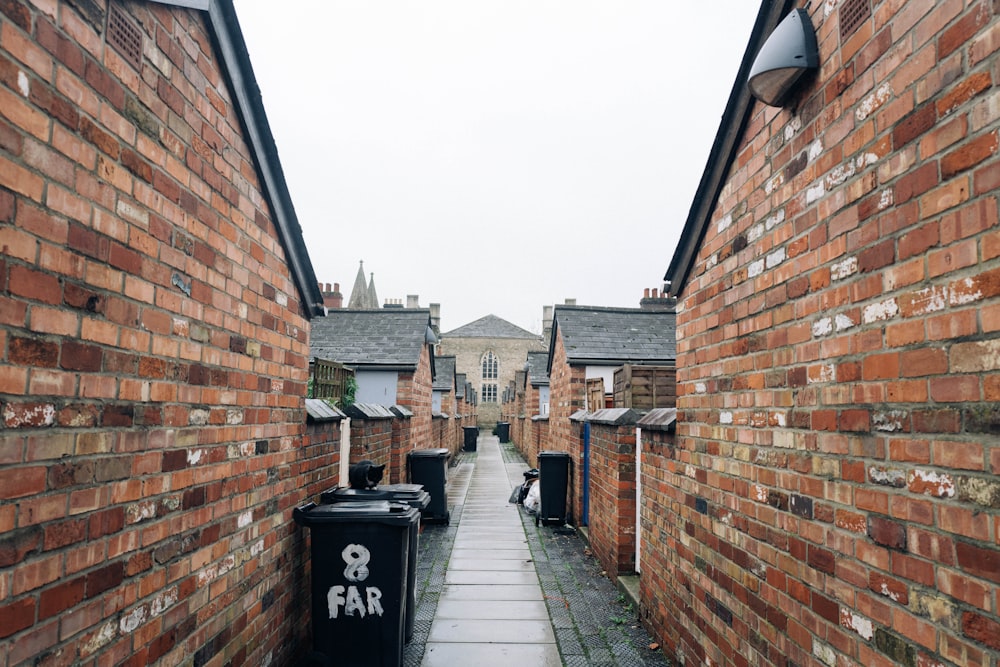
{"x":494,"y":589}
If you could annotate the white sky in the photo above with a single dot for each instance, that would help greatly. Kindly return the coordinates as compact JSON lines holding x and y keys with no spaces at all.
{"x":495,"y":156}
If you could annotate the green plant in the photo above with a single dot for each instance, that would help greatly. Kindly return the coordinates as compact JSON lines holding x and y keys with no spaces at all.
{"x":350,"y":390}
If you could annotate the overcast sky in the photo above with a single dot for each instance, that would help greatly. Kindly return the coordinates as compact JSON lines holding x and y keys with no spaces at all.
{"x":495,"y":156}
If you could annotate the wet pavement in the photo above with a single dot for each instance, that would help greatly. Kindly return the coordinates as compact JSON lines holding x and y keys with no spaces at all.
{"x":494,"y":589}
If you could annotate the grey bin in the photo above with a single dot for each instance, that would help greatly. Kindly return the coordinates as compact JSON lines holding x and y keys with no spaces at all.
{"x":358,"y":570}
{"x":471,"y":434}
{"x":429,"y":467}
{"x":553,"y":475}
{"x":406,"y":494}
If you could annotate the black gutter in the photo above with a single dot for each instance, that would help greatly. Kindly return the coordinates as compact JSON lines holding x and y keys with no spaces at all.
{"x":734,"y":121}
{"x":246,"y":94}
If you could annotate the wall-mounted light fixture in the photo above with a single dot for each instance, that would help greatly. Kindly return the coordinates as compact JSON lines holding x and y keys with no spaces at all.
{"x":787,"y":54}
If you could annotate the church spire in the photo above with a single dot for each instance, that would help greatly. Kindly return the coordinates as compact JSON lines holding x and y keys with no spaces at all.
{"x":359,"y":293}
{"x":372,"y":300}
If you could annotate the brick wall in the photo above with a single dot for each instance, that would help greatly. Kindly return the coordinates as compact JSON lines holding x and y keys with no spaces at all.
{"x":835,"y":483}
{"x":566,"y":393}
{"x":664,"y":589}
{"x":400,"y":447}
{"x":415,"y":392}
{"x":612,"y":490}
{"x":372,"y":439}
{"x":152,"y":357}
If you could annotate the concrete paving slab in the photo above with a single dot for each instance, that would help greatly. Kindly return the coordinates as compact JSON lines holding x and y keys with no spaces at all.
{"x":490,"y":564}
{"x":493,"y":631}
{"x":474,"y":577}
{"x":488,"y":543}
{"x":492,"y":655}
{"x":496,"y":554}
{"x":493,"y":609}
{"x":486,"y":592}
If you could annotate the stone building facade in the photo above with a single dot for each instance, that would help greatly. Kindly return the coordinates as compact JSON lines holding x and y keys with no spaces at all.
{"x":489,"y":352}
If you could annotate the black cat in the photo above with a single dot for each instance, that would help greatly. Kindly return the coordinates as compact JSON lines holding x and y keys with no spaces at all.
{"x":365,"y":475}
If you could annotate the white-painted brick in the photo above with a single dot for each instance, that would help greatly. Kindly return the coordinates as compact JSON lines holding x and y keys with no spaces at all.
{"x":774,"y":182}
{"x":873,"y":102}
{"x":884,"y":310}
{"x":725,"y":223}
{"x":775,"y":258}
{"x":822,"y":327}
{"x":815,"y":149}
{"x":838,"y":175}
{"x":845,"y":268}
{"x":756,"y":268}
{"x":775,"y":220}
{"x":815,"y":193}
{"x":842,"y":322}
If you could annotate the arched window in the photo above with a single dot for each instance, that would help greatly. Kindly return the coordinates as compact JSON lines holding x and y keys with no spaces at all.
{"x":491,"y":366}
{"x":491,"y":371}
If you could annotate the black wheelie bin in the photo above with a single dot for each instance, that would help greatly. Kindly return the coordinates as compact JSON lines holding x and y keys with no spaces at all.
{"x":406,"y":494}
{"x":429,"y":467}
{"x":358,"y":570}
{"x":553,"y":475}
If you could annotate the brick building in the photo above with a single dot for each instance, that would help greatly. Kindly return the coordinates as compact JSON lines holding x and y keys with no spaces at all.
{"x":833,"y":496}
{"x":391,"y":353}
{"x":590,"y":342}
{"x":489,"y":352}
{"x":155,"y":303}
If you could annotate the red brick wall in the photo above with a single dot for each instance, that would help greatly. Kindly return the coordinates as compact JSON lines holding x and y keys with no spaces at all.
{"x":319,"y":470}
{"x":835,"y":488}
{"x":566,"y":394}
{"x":612,"y":497}
{"x":371,"y":439}
{"x":400,"y":448}
{"x":415,"y":391}
{"x":664,"y":590}
{"x":152,"y":357}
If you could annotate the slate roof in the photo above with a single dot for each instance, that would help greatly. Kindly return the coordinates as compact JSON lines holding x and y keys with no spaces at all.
{"x":538,"y":368}
{"x":490,"y":326}
{"x":386,"y":339}
{"x":235,"y":62}
{"x":614,"y":336}
{"x":444,"y":373}
{"x":727,"y":143}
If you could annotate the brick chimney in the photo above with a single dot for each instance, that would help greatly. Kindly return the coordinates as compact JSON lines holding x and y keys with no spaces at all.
{"x":332,"y":298}
{"x":653,"y":299}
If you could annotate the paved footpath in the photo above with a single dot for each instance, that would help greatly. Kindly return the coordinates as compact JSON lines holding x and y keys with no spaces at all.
{"x":494,"y":589}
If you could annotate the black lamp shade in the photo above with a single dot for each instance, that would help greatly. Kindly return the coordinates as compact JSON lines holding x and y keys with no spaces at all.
{"x":787,"y":54}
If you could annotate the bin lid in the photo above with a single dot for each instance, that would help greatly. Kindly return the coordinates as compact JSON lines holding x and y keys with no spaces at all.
{"x":436,"y":452}
{"x":410,"y":494}
{"x":553,"y":454}
{"x":375,"y":511}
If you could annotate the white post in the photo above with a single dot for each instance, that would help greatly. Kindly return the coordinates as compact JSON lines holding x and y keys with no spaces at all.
{"x":345,"y":453}
{"x":638,"y":499}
